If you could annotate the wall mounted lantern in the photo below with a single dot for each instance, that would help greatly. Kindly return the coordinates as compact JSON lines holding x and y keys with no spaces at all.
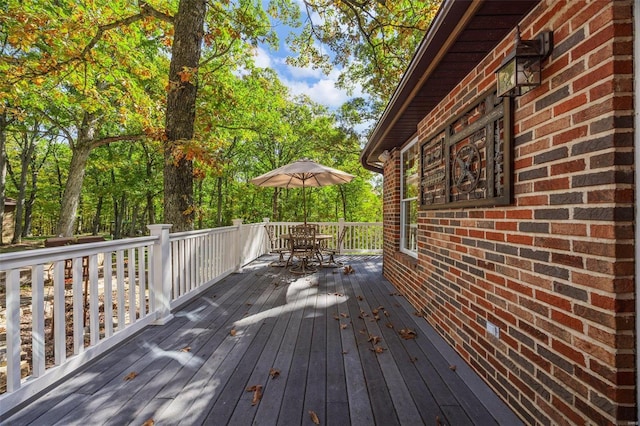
{"x":521,"y":70}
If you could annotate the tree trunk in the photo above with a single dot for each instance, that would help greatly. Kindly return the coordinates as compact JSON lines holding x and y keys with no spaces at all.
{"x":199,"y":203}
{"x":181,"y":111}
{"x":26,"y":156}
{"x":3,"y":168}
{"x":119,"y":209}
{"x":96,"y":219}
{"x":73,"y":187}
{"x":343,"y":198}
{"x":134,"y":221}
{"x":28,"y":210}
{"x":72,"y":190}
{"x":219,"y":197}
{"x":151,"y":213}
{"x":33,"y":193}
{"x":276,"y":195}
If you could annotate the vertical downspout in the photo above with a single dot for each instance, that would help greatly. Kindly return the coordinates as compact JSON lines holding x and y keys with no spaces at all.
{"x":636,"y":151}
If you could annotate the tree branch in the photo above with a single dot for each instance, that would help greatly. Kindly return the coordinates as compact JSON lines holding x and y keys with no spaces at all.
{"x":110,"y":139}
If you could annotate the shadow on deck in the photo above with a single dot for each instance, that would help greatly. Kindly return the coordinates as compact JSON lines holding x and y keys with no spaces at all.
{"x":328,"y":345}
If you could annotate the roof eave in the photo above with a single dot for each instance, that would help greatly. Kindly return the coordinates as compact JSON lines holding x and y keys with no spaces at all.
{"x":450,"y":23}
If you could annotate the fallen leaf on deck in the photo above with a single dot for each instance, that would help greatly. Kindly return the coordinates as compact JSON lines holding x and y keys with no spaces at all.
{"x":149,"y":422}
{"x":348,"y":270}
{"x":438,"y":421}
{"x":389,"y":325}
{"x":375,"y":312}
{"x":413,"y":359}
{"x":343,"y":315}
{"x":343,"y":326}
{"x":360,"y":298}
{"x":131,"y":376}
{"x":257,"y":393}
{"x":407,"y":334}
{"x":336,"y":317}
{"x":233,"y":332}
{"x":378,"y":349}
{"x":374,"y":339}
{"x":452,"y":367}
{"x":375,"y":318}
{"x":186,"y":349}
{"x":274,"y":373}
{"x":386,"y":314}
{"x":314,"y":417}
{"x":249,"y":304}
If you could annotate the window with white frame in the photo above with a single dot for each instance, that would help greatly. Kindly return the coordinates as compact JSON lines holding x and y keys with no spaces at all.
{"x":409,"y":201}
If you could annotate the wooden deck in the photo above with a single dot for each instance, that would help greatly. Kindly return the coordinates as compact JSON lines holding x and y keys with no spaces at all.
{"x":320,"y":332}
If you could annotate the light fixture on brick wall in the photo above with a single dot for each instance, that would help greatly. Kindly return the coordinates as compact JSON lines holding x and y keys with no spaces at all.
{"x":521,"y":69}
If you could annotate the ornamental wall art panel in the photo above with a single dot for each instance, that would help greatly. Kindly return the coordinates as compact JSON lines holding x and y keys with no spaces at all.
{"x":468,"y":162}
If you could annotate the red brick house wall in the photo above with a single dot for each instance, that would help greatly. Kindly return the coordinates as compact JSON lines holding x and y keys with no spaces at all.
{"x":555,"y":269}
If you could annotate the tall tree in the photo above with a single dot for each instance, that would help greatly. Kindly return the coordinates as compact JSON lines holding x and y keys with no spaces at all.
{"x":181,"y":112}
{"x":4,"y":124}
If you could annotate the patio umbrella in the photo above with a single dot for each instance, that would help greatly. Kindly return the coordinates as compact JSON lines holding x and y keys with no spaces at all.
{"x":301,"y":174}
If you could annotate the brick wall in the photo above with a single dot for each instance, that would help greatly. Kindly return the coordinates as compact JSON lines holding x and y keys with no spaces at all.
{"x":554,"y":271}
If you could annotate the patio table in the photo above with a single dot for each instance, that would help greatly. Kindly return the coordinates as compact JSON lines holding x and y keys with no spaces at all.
{"x":320,"y":241}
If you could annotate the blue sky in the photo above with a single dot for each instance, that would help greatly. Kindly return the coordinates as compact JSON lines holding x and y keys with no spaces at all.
{"x":312,"y":82}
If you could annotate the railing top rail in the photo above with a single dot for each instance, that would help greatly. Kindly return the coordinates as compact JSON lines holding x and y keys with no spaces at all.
{"x":52,"y":254}
{"x":328,"y":223}
{"x":197,"y":233}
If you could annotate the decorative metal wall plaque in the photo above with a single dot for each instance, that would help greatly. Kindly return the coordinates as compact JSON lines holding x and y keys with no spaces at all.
{"x":468,"y":163}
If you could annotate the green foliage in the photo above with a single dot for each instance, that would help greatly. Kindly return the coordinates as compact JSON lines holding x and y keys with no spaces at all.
{"x":66,"y":62}
{"x":371,"y":41}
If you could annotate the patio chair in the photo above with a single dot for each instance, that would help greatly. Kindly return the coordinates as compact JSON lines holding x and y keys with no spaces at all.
{"x":302,"y":240}
{"x":331,"y":252}
{"x":274,"y":247}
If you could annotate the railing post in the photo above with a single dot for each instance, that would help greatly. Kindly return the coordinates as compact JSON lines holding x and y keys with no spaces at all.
{"x":161,"y":273}
{"x":266,"y":242}
{"x":238,"y":243}
{"x":341,"y":226}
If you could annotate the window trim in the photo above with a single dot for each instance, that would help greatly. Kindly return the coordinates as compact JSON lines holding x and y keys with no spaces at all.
{"x":411,"y":144}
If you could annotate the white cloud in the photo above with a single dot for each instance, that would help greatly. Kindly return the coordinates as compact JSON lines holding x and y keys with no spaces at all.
{"x":323,"y":91}
{"x":262,"y":58}
{"x":321,"y":88}
{"x":303,"y":73}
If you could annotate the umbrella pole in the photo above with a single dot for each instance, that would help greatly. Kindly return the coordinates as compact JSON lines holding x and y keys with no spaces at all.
{"x":304,"y":204}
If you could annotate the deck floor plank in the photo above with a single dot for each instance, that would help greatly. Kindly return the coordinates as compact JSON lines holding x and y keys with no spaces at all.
{"x":291,"y":410}
{"x":360,"y":406}
{"x":337,"y":407}
{"x":381,"y":401}
{"x":314,"y":329}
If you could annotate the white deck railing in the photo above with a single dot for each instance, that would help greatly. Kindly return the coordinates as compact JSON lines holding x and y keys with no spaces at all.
{"x":359,"y":238}
{"x":67,"y":305}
